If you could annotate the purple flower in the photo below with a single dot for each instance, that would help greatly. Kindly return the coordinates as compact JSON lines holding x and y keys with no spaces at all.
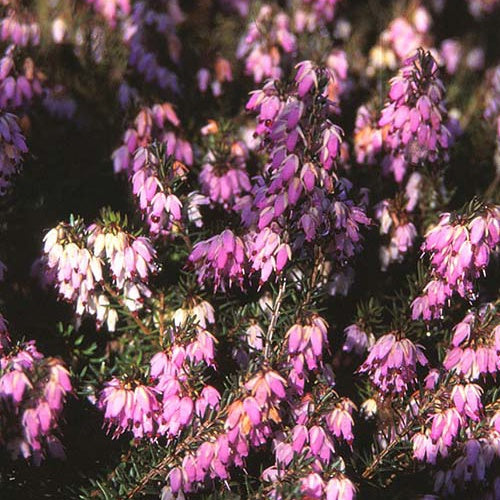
{"x":220,"y":259}
{"x":414,"y":117}
{"x":392,"y":363}
{"x":12,"y":149}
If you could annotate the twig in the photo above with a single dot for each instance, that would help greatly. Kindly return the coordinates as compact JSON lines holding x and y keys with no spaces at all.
{"x":370,"y":470}
{"x":274,"y":316}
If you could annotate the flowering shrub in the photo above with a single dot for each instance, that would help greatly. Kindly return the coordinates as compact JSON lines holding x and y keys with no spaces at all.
{"x":249,"y":250}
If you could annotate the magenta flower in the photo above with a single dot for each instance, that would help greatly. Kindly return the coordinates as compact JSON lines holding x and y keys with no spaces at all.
{"x":12,"y":149}
{"x":159,"y":123}
{"x":220,"y":259}
{"x":33,"y":390}
{"x":224,"y":180}
{"x":460,"y":251}
{"x":414,"y":118}
{"x":392,"y":363}
{"x":340,"y":422}
{"x":357,"y":340}
{"x":262,"y":48}
{"x":152,"y":185}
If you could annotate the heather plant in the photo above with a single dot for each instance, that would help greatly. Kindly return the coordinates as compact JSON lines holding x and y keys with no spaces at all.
{"x":249,"y":249}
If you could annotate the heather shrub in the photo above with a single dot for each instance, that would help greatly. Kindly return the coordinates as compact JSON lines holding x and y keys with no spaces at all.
{"x":249,"y":249}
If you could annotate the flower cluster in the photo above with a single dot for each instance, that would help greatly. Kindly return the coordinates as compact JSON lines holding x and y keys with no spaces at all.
{"x":395,"y":223}
{"x":223,"y":176}
{"x":262,"y":47}
{"x":18,"y":87}
{"x":12,"y":148}
{"x":158,"y":123}
{"x":33,"y":390}
{"x":414,"y":119}
{"x":392,"y":363}
{"x":475,"y":458}
{"x":80,"y":260}
{"x":311,"y":438}
{"x":305,"y":345}
{"x":153,"y":183}
{"x":248,"y":423}
{"x":459,"y":248}
{"x":454,"y":410}
{"x":169,"y":403}
{"x":220,"y":259}
{"x":160,"y":17}
{"x":474,"y":346}
{"x":299,"y":187}
{"x":18,"y":31}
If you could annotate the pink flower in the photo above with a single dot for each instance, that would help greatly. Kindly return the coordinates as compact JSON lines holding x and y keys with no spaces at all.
{"x":413,"y":119}
{"x":220,"y":259}
{"x":392,"y":363}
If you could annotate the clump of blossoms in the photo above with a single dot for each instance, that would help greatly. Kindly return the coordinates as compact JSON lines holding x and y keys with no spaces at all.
{"x":311,"y":439}
{"x":305,"y":344}
{"x":18,"y":86}
{"x":158,"y":123}
{"x":87,"y":265}
{"x":248,"y":423}
{"x":414,"y":118}
{"x":148,"y":20}
{"x":33,"y":390}
{"x":12,"y":148}
{"x":265,"y":42}
{"x":460,"y":248}
{"x":170,"y":401}
{"x":223,"y":176}
{"x":392,"y":363}
{"x":154,"y":184}
{"x":221,"y":259}
{"x":299,"y":195}
{"x":18,"y":31}
{"x":395,"y":223}
{"x":475,"y":344}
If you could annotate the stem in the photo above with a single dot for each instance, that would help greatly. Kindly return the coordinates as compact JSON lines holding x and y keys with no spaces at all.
{"x":166,"y":462}
{"x":369,"y":472}
{"x":274,"y":316}
{"x":120,"y":301}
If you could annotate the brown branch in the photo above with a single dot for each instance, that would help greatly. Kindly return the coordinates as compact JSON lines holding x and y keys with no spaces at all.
{"x":370,"y":470}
